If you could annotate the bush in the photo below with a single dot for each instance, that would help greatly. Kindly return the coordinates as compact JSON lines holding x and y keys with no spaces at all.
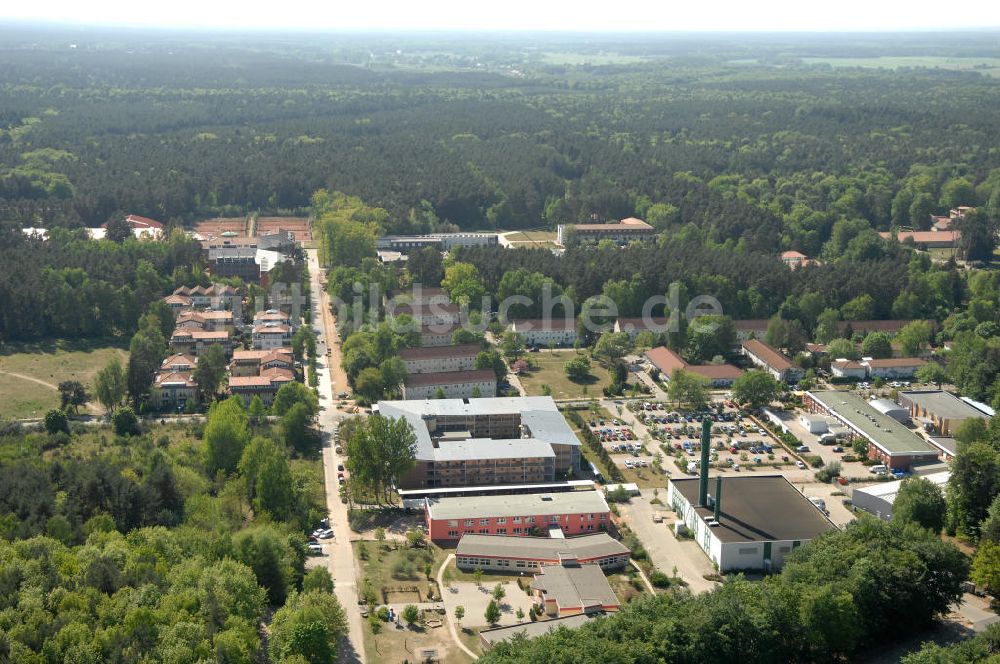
{"x":125,"y":422}
{"x":814,"y":460}
{"x":56,"y":421}
{"x":659,"y":579}
{"x":828,"y":472}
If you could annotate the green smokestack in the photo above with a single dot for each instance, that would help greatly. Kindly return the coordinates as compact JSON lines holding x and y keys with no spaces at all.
{"x":706,"y":443}
{"x":718,"y":496}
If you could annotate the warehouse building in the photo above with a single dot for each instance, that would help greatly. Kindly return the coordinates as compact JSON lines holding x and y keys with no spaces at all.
{"x":477,"y":442}
{"x":889,"y":441}
{"x":746,"y":523}
{"x":938,"y":411}
{"x":496,"y":553}
{"x":569,"y":513}
{"x":879,"y":498}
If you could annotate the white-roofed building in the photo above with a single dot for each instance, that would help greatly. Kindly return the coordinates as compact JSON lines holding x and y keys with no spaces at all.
{"x":879,"y":498}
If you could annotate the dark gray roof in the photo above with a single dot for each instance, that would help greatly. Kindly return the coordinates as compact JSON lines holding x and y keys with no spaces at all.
{"x":439,"y":352}
{"x":451,"y":378}
{"x":540,"y":548}
{"x":533,"y":629}
{"x":942,"y":404}
{"x":761,"y":508}
{"x":575,"y":585}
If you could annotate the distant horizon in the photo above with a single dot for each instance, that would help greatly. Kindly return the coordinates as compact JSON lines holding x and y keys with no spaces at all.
{"x":514,"y":16}
{"x":70,"y":25}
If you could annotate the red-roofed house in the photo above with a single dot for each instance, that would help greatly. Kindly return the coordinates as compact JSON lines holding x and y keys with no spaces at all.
{"x":667,"y":362}
{"x":266,"y":385}
{"x":929,"y":239}
{"x":771,"y":360}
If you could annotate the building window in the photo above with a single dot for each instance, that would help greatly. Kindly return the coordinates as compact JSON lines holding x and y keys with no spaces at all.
{"x":554,"y":519}
{"x":484,"y":522}
{"x":452,"y":533}
{"x":520,"y":563}
{"x":453,"y":523}
{"x":517,"y":531}
{"x":484,"y":531}
{"x":517,"y":519}
{"x":530,"y":519}
{"x":501,"y":521}
{"x":468,"y":522}
{"x":501,"y":531}
{"x":604,"y":517}
{"x":590,"y":526}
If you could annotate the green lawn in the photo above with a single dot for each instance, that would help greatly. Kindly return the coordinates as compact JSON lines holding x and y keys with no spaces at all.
{"x":550,"y":372}
{"x":42,"y":366}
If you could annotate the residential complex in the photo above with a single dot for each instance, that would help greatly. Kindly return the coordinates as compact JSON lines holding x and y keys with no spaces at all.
{"x":406,"y":244}
{"x":264,"y":385}
{"x":557,"y":331}
{"x":771,"y":360}
{"x":532,"y":514}
{"x":438,"y":334}
{"x":489,"y":441}
{"x":890,"y":368}
{"x":933,"y":239}
{"x":890,"y":442}
{"x":635,"y":326}
{"x":621,"y":232}
{"x":747,"y":523}
{"x":667,"y":362}
{"x":437,"y":359}
{"x":498,"y":553}
{"x":468,"y":384}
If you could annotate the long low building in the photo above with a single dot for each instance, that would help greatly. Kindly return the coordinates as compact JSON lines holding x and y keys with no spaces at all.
{"x":439,"y":359}
{"x":889,"y":441}
{"x":474,"y":383}
{"x":557,"y":331}
{"x":497,"y":553}
{"x":878,"y":499}
{"x":477,"y":442}
{"x":667,"y":362}
{"x":573,"y":513}
{"x":569,"y":589}
{"x":748,"y":523}
{"x":621,"y":232}
{"x":940,"y":412}
{"x":771,"y":360}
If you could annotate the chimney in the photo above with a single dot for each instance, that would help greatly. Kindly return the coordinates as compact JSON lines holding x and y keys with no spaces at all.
{"x":706,"y":443}
{"x":718,"y":496}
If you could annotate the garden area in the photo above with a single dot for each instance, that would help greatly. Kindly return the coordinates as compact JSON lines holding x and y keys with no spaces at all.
{"x":546,"y":376}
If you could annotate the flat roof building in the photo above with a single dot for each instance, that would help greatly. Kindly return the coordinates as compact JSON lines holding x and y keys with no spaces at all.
{"x":623,"y":231}
{"x":570,"y":589}
{"x":938,"y":411}
{"x":878,"y":499}
{"x":573,"y":512}
{"x":761,"y":519}
{"x":461,"y":442}
{"x":497,"y":553}
{"x":890,"y":442}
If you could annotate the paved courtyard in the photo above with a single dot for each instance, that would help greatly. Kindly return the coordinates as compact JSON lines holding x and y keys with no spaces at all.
{"x":475,"y":599}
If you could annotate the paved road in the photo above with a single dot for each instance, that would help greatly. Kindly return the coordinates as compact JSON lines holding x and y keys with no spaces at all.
{"x":664,"y":549}
{"x":340,"y":556}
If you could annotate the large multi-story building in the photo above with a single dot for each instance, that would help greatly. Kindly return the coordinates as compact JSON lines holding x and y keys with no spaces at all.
{"x":529,"y":514}
{"x":621,"y":232}
{"x":194,"y":341}
{"x":431,"y":313}
{"x":216,"y":296}
{"x":252,"y":362}
{"x":269,"y":335}
{"x":173,"y":390}
{"x":436,"y":359}
{"x":209,"y":319}
{"x":438,"y":334}
{"x":485,"y":442}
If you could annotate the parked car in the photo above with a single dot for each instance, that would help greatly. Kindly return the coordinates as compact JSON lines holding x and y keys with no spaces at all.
{"x":326,"y":534}
{"x":838,"y":449}
{"x":315,"y":547}
{"x":802,"y":448}
{"x":800,"y":465}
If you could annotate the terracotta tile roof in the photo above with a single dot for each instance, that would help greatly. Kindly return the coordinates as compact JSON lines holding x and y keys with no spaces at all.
{"x":768,"y":355}
{"x":847,"y":364}
{"x":271,"y":329}
{"x":553,"y":324}
{"x":792,"y":255}
{"x":666,"y":360}
{"x":182,"y":300}
{"x":925,"y":237}
{"x":197,"y":334}
{"x":179,"y":360}
{"x":630,"y":225}
{"x":174,"y":378}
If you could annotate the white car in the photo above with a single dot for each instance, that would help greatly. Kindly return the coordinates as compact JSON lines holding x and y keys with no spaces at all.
{"x":800,"y":465}
{"x":315,"y":547}
{"x":325,"y":534}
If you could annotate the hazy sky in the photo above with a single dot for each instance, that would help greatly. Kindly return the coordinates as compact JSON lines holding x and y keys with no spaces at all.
{"x":582,"y":15}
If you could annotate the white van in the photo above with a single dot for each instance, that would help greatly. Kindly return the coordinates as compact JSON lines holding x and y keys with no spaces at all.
{"x":879,"y":469}
{"x":693,"y":467}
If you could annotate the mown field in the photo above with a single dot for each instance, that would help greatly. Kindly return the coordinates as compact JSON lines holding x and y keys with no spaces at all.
{"x":30,"y":373}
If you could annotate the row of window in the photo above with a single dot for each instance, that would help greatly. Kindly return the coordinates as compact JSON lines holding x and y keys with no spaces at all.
{"x":555,"y":518}
{"x":471,"y":561}
{"x":517,"y":530}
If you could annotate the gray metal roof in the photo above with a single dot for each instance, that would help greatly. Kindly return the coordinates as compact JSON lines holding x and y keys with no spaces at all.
{"x":531,"y":504}
{"x":540,"y":548}
{"x":878,"y":428}
{"x":575,"y":585}
{"x":487,"y":448}
{"x":539,"y":414}
{"x":942,"y":404}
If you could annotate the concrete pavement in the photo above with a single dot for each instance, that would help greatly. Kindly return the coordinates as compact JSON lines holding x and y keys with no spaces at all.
{"x":450,"y":615}
{"x":339,"y":553}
